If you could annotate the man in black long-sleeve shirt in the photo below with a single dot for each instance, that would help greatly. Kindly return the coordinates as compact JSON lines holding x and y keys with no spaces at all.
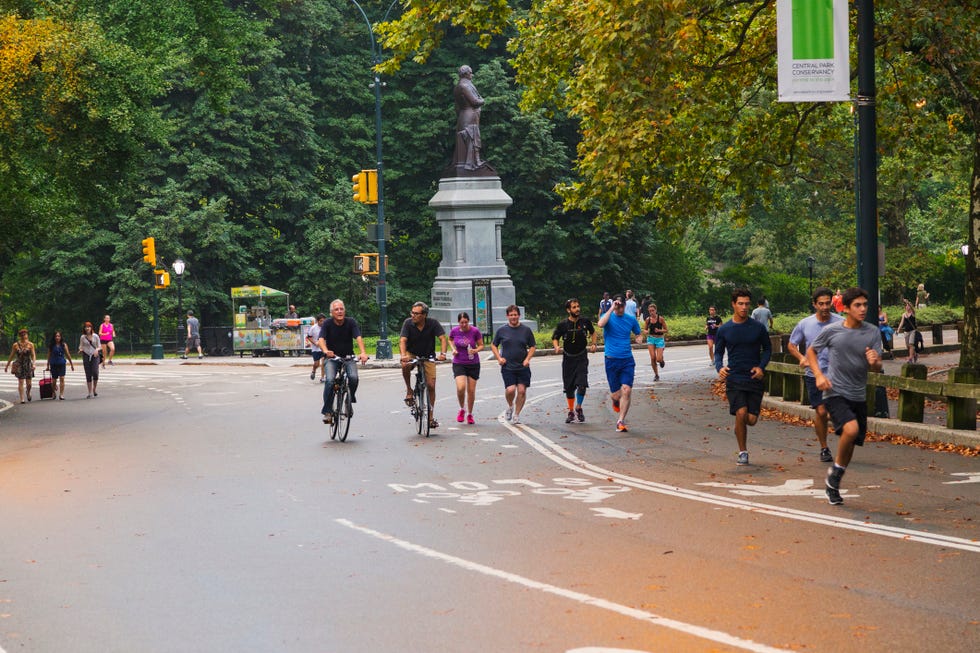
{"x":749,"y":349}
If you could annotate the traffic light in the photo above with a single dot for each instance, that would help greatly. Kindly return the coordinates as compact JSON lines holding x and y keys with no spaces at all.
{"x":149,"y":251}
{"x":366,"y":186}
{"x":367,"y":264}
{"x":161,"y":279}
{"x":360,"y":187}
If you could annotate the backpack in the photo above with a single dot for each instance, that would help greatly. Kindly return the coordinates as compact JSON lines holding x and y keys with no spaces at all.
{"x":919,"y":345}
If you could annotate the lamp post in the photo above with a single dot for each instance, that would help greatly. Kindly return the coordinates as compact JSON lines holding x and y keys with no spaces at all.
{"x":809,"y":264}
{"x":383,"y":351}
{"x":179,"y":267}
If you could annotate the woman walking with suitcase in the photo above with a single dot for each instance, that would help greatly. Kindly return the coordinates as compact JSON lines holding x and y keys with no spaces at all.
{"x":59,"y":356}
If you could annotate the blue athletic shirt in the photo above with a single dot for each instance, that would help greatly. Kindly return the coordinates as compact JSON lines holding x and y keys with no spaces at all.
{"x":616,"y":335}
{"x":748,"y":346}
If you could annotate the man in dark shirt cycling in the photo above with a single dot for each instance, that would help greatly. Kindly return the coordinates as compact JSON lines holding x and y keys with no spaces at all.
{"x":336,"y":340}
{"x":418,"y":340}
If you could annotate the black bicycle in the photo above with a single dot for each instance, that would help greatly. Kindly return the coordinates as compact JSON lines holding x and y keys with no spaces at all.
{"x":421,"y":410}
{"x":342,"y":408}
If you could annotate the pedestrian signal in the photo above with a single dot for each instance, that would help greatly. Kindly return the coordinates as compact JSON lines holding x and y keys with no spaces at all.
{"x":161,"y":279}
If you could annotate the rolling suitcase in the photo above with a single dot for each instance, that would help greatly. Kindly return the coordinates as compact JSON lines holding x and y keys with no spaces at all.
{"x":47,"y":386}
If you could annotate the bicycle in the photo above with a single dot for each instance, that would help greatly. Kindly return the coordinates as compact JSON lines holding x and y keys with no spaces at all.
{"x":421,"y":410}
{"x":342,"y":408}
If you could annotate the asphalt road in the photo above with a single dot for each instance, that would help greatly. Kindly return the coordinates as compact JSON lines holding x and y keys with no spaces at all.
{"x":203,"y":508}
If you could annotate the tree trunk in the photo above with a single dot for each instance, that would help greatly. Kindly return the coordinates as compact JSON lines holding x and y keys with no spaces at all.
{"x":970,"y":348}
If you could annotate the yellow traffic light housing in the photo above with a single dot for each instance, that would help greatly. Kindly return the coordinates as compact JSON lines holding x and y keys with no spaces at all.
{"x":149,"y":251}
{"x":365,"y":186}
{"x":360,"y":187}
{"x":161,"y":279}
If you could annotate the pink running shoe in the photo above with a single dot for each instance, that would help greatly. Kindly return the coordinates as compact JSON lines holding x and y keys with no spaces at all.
{"x":461,"y":416}
{"x":470,"y":420}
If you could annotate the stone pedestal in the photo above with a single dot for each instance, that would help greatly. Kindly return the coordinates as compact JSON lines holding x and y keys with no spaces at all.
{"x":471,"y":212}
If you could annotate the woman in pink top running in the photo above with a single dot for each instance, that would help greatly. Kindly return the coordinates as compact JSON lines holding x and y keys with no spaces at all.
{"x":106,"y":334}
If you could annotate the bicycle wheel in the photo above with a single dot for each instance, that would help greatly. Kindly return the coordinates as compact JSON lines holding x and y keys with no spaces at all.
{"x":344,"y":412}
{"x":337,"y":395}
{"x":421,"y":406}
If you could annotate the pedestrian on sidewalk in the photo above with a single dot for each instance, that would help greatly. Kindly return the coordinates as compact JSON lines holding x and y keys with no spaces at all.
{"x":747,"y":343}
{"x":574,"y":334}
{"x":655,"y":330}
{"x":466,"y":343}
{"x":513,"y":345}
{"x":908,"y":326}
{"x":193,"y":336}
{"x":711,"y":325}
{"x":854,"y":348}
{"x":806,"y":331}
{"x":618,"y":326}
{"x":312,"y":336}
{"x":59,"y":356}
{"x":21,"y":363}
{"x":91,"y":351}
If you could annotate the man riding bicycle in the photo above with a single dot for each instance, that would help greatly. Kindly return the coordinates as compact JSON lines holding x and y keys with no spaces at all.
{"x":337,"y":336}
{"x":418,"y":340}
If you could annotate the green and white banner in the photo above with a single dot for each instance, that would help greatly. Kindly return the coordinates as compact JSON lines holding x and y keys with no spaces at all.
{"x":812,"y":43}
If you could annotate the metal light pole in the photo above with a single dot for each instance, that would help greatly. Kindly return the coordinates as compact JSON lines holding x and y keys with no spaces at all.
{"x":179,"y":267}
{"x":383,"y":351}
{"x":867,"y":223}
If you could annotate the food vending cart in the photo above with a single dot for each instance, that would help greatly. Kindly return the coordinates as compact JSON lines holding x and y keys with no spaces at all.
{"x":257,"y":332}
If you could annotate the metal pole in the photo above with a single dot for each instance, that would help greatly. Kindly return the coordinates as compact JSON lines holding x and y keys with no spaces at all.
{"x":867,"y":223}
{"x":383,"y":351}
{"x":180,"y":314}
{"x":157,"y":353}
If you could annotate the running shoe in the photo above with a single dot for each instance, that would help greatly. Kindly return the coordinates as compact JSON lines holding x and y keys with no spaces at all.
{"x":517,"y":419}
{"x":509,"y":414}
{"x":470,"y":420}
{"x":580,"y":414}
{"x":834,"y":476}
{"x":656,"y":378}
{"x":461,"y":416}
{"x":743,"y":458}
{"x":826,"y":456}
{"x":621,"y":426}
{"x":615,"y":403}
{"x":570,"y":417}
{"x":313,"y":375}
{"x":663,"y":364}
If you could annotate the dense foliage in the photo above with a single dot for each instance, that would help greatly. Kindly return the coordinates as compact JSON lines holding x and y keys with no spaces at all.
{"x":229,"y":131}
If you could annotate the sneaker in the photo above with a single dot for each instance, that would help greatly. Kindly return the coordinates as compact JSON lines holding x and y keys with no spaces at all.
{"x":615,"y":403}
{"x":517,"y":419}
{"x":743,"y":458}
{"x":580,"y":414}
{"x":663,"y":364}
{"x":461,"y":416}
{"x":312,"y":375}
{"x":200,"y":356}
{"x":621,"y":426}
{"x":509,"y":414}
{"x":328,"y":418}
{"x":826,"y":456}
{"x":470,"y":420}
{"x":570,"y":417}
{"x":834,"y":476}
{"x":656,"y":378}
{"x":184,"y":357}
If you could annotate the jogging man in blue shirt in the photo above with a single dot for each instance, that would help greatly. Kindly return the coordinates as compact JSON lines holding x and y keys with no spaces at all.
{"x":617,"y":328}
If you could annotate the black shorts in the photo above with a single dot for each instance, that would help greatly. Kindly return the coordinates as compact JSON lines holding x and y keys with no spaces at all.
{"x":744,"y":395}
{"x":814,"y":393}
{"x":843,"y":411}
{"x":516,"y":377}
{"x":471,"y":371}
{"x":575,"y":373}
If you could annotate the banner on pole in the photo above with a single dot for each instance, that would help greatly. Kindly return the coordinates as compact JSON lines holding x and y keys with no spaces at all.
{"x":812,"y":46}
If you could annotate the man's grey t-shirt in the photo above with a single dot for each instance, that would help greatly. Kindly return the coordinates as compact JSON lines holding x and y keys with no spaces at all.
{"x":847,"y":365}
{"x":513,"y":343}
{"x":762,"y":315}
{"x":194,"y":325}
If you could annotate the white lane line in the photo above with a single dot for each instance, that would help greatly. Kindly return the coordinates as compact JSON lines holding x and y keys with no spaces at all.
{"x":585,"y":599}
{"x":556,"y":453}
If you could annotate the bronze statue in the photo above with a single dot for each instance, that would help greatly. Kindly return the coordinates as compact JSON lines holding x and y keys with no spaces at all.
{"x":467,"y":161}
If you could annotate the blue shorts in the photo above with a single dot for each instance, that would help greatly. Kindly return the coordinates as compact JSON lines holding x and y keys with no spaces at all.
{"x":657,"y":342}
{"x":516,"y":377}
{"x":620,"y":372}
{"x":317,"y":354}
{"x":815,"y":395}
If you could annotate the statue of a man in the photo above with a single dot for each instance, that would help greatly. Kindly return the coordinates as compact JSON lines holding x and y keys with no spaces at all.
{"x":466,"y":157}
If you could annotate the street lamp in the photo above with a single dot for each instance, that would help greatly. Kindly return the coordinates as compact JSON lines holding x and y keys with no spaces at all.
{"x":179,"y":267}
{"x":809,"y":264}
{"x":384,"y":351}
